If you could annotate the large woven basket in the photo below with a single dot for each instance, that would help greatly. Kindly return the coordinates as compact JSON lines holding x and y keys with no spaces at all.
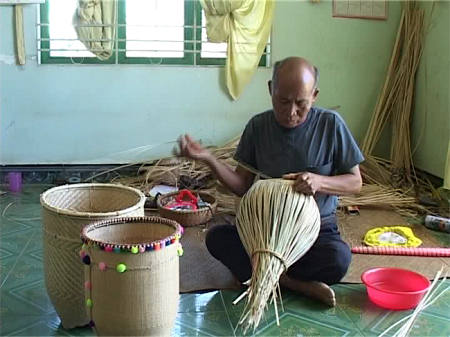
{"x":132,"y":276}
{"x":188,"y":218}
{"x":65,"y":211}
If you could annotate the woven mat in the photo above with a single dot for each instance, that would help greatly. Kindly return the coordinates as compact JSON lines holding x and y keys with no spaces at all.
{"x":200,"y":271}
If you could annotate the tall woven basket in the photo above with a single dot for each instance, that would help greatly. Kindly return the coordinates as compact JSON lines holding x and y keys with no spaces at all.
{"x":132,"y":275}
{"x":65,"y":211}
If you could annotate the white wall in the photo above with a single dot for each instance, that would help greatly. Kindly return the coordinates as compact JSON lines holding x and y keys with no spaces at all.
{"x":54,"y":114}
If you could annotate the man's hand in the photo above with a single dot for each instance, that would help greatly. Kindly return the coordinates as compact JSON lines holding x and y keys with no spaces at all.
{"x":305,"y":182}
{"x":342,"y":184}
{"x":189,"y":148}
{"x":238,"y":181}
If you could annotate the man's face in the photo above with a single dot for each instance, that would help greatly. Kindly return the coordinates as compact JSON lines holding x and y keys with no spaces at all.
{"x":292,"y":100}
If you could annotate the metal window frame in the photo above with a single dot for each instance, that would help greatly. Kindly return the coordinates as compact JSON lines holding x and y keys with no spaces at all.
{"x":192,"y":44}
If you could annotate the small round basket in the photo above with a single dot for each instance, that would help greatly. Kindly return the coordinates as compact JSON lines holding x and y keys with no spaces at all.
{"x":132,"y":275}
{"x":188,"y":218}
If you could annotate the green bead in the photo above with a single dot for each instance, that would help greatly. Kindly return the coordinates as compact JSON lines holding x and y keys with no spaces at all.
{"x":121,"y":267}
{"x":134,"y":250}
{"x":180,"y":251}
{"x":89,"y":303}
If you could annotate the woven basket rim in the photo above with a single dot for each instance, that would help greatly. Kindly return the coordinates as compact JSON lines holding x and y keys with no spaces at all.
{"x":198,"y":211}
{"x":71,"y":213}
{"x":178,"y":230}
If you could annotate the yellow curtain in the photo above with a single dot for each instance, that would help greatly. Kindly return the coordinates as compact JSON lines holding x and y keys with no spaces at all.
{"x":245,"y":26}
{"x":101,"y":12}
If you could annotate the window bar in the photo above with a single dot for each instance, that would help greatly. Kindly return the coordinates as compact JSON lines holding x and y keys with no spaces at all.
{"x":117,"y":31}
{"x":38,"y":34}
{"x":118,"y":24}
{"x":141,"y":50}
{"x":132,"y":40}
{"x":269,"y":49}
{"x":195,"y":33}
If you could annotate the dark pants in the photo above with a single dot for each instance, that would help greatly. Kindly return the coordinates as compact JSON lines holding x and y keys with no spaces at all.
{"x":327,"y":261}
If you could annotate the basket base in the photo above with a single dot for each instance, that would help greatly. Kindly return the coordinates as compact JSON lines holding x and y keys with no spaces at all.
{"x":71,"y":324}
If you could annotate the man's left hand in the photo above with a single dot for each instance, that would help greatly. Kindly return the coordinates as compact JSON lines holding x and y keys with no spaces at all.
{"x":305,"y":182}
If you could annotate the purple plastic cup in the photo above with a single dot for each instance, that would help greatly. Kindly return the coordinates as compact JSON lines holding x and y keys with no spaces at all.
{"x":15,"y":181}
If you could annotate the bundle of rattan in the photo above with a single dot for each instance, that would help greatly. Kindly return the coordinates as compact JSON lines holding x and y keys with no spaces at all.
{"x":168,"y":171}
{"x":396,"y":99}
{"x":384,"y":197}
{"x":375,"y":193}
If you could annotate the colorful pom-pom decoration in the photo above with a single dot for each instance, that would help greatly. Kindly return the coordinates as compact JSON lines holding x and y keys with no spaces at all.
{"x":116,"y":249}
{"x":89,"y":303}
{"x":87,"y":260}
{"x":84,"y":247}
{"x":134,"y":250}
{"x":82,"y":253}
{"x":121,"y":267}
{"x":91,"y":324}
{"x":141,"y":249}
{"x":163,"y":244}
{"x":102,"y":266}
{"x":109,"y":249}
{"x":87,"y":285}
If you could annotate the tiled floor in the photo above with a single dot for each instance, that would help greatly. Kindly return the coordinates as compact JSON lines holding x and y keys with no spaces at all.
{"x":27,"y":311}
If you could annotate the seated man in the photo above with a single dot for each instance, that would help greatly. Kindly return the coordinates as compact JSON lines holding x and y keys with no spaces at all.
{"x":297,"y":141}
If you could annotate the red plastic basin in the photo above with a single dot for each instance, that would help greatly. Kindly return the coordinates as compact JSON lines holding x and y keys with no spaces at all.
{"x":394,"y":288}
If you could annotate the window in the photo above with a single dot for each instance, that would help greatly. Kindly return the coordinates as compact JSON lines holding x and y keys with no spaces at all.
{"x":147,"y":32}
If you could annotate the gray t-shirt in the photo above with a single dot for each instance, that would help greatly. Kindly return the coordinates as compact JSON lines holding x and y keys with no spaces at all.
{"x":322,"y":144}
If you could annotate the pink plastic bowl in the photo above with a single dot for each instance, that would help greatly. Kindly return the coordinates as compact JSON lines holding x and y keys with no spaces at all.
{"x":393,"y":288}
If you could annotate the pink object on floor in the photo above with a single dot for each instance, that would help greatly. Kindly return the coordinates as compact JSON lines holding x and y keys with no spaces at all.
{"x":430,"y":252}
{"x":15,"y":181}
{"x":394,"y":288}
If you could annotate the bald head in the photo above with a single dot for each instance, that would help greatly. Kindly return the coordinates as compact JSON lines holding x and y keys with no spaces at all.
{"x":297,"y":67}
{"x":293,"y":90}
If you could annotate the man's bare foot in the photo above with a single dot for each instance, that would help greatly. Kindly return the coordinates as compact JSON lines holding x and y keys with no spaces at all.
{"x":313,"y":289}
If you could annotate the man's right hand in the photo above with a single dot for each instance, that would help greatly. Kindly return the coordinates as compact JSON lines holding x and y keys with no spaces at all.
{"x":189,"y":148}
{"x":238,"y":181}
